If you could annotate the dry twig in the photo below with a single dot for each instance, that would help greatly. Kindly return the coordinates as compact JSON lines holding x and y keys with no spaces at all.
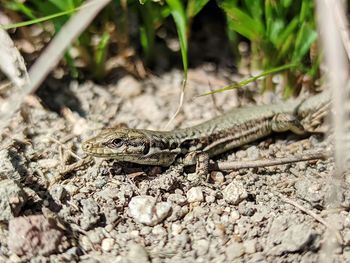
{"x":264,"y":163}
{"x":314,"y":215}
{"x":182,"y":95}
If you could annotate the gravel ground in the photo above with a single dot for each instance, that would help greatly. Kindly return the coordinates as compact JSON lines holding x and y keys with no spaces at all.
{"x":111,"y":212}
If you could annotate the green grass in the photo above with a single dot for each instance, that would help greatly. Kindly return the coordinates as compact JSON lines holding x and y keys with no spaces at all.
{"x":280,"y":33}
{"x":245,"y":82}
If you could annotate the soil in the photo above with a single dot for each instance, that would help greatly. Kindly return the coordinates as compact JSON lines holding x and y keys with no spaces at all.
{"x":112,"y":212}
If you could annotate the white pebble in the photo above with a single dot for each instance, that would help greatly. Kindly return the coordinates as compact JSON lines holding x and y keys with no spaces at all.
{"x":134,"y":233}
{"x":195,"y":194}
{"x":210,"y":199}
{"x":235,"y":192}
{"x":107,"y":244}
{"x":145,"y":210}
{"x":234,"y":250}
{"x":176,"y":229}
{"x":250,"y":246}
{"x":217,"y":177}
{"x":234,"y":216}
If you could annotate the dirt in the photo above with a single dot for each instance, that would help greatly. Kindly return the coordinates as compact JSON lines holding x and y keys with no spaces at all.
{"x":111,"y":212}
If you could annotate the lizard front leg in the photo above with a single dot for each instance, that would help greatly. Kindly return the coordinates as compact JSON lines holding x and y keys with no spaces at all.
{"x":201,"y":160}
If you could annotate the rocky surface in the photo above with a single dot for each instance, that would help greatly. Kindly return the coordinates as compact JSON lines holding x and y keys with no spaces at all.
{"x":111,"y":212}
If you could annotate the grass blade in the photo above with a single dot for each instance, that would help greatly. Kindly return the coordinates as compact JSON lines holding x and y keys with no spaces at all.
{"x":101,"y":53}
{"x":41,"y":19}
{"x":251,"y":79}
{"x":195,"y":6}
{"x":178,"y":13}
{"x":243,"y":23}
{"x":304,"y":40}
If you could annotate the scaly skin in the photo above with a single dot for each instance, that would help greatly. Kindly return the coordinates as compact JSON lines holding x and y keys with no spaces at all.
{"x":218,"y":135}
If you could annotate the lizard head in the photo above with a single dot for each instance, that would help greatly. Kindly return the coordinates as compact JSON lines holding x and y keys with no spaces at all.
{"x":120,"y":144}
{"x":132,"y":145}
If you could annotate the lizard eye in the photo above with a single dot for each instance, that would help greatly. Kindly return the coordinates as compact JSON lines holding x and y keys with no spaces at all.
{"x":115,"y":143}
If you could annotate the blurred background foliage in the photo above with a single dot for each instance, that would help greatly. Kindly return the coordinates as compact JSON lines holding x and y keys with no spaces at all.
{"x":277,"y":33}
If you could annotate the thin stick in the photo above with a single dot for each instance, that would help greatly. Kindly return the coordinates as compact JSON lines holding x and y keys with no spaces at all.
{"x":182,"y":95}
{"x":213,"y":98}
{"x":5,"y":86}
{"x":224,"y":166}
{"x":314,"y":215}
{"x":65,"y":147}
{"x":70,"y":168}
{"x":76,"y":166}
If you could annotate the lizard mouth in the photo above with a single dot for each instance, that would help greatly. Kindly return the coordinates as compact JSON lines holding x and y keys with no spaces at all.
{"x":103,"y":152}
{"x":90,"y":148}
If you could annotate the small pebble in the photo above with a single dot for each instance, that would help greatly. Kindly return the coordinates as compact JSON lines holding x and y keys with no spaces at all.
{"x":177,"y":212}
{"x":58,"y":192}
{"x":210,"y":199}
{"x":302,"y":166}
{"x":253,"y":153}
{"x":91,"y":214}
{"x":100,"y":182}
{"x":71,"y":189}
{"x":177,"y":199}
{"x":193,"y":177}
{"x":235,"y":192}
{"x":107,"y":244}
{"x":235,"y":215}
{"x":145,"y":231}
{"x":73,"y":252}
{"x":201,"y":246}
{"x":225,"y":218}
{"x":234,"y":250}
{"x":217,"y":177}
{"x":250,"y":246}
{"x":179,"y":191}
{"x":195,"y":194}
{"x":95,"y":236}
{"x":85,"y":243}
{"x":176,"y":229}
{"x":134,"y":233}
{"x":145,"y":210}
{"x":159,"y":231}
{"x":84,"y":190}
{"x":137,"y":253}
{"x":12,"y":199}
{"x":258,"y":217}
{"x":14,"y":258}
{"x":8,"y":168}
{"x":219,"y":210}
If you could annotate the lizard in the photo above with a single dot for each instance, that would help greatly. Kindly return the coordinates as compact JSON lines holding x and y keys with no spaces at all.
{"x":213,"y":137}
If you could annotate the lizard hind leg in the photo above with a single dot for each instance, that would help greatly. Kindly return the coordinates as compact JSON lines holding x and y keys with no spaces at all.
{"x":287,"y":122}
